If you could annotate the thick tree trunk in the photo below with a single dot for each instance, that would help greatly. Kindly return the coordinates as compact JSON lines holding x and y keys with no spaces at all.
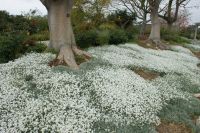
{"x":61,"y":34}
{"x":155,"y":27}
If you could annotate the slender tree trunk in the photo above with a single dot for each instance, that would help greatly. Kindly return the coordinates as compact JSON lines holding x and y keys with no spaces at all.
{"x":143,"y":26}
{"x":170,"y":26}
{"x":61,"y":34}
{"x":195,"y":34}
{"x":155,"y":28}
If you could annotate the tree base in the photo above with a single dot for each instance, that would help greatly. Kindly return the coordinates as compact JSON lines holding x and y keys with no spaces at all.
{"x":157,"y":45}
{"x":71,"y":57}
{"x":197,"y":95}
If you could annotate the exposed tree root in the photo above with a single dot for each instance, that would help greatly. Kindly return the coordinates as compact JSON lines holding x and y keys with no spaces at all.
{"x":160,"y":45}
{"x":67,"y":55}
{"x":81,"y":53}
{"x":197,"y":54}
{"x":154,"y":44}
{"x":197,"y":95}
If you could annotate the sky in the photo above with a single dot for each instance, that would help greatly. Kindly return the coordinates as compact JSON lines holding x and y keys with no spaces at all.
{"x":20,"y":6}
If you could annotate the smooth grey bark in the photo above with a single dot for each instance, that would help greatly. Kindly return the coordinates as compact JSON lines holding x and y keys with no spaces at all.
{"x":155,"y":22}
{"x":155,"y":28}
{"x":61,"y":33}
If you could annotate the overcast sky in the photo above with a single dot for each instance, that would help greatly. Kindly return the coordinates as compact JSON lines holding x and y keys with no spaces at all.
{"x":19,"y":6}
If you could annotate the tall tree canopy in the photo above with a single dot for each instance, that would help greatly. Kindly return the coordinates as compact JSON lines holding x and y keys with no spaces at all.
{"x":171,"y":13}
{"x":140,"y":8}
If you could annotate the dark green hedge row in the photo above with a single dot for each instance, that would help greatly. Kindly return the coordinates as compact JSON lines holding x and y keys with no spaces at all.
{"x":101,"y":37}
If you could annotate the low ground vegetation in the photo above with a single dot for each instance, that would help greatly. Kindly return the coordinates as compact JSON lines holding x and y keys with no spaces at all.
{"x":173,"y":37}
{"x":105,"y":95}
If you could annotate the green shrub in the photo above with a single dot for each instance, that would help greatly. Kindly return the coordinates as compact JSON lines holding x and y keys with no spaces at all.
{"x":38,"y":48}
{"x":173,"y":37}
{"x":107,"y":26}
{"x":103,"y":37}
{"x":122,"y":18}
{"x":11,"y":47}
{"x":189,"y":32}
{"x":6,"y":48}
{"x":130,"y":35}
{"x":51,"y":50}
{"x":87,"y":38}
{"x":118,"y":37}
{"x":100,"y":37}
{"x":132,"y":32}
{"x":43,"y":36}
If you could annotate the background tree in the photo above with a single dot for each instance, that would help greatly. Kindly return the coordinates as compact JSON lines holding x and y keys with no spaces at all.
{"x":183,"y":19}
{"x":4,"y":21}
{"x":96,"y":10}
{"x":138,"y":7}
{"x":171,"y":13}
{"x":61,"y":33}
{"x":122,"y":18}
{"x":91,"y":11}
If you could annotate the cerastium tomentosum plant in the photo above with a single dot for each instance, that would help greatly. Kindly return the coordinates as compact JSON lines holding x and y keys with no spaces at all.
{"x":35,"y":97}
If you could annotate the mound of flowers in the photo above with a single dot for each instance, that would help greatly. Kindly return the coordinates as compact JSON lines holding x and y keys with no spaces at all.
{"x":37,"y":98}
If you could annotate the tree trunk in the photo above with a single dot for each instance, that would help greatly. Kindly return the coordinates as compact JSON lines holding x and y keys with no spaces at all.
{"x":143,"y":26}
{"x":61,"y":34}
{"x":155,"y":27}
{"x":170,"y":26}
{"x":195,"y":34}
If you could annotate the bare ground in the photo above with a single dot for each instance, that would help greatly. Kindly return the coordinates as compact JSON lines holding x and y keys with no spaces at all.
{"x":165,"y":127}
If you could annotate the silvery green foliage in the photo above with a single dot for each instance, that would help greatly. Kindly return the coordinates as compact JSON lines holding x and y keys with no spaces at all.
{"x":181,"y":49}
{"x":134,"y":55}
{"x":35,"y":97}
{"x":50,"y":101}
{"x":194,"y":46}
{"x":125,"y":101}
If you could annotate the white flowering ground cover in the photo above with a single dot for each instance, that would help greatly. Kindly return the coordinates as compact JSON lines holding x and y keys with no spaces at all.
{"x":195,"y":46}
{"x":105,"y":95}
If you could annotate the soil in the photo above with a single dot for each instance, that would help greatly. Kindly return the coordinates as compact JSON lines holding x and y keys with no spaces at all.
{"x":146,"y":74}
{"x":197,"y":54}
{"x":172,"y":128}
{"x":144,"y":44}
{"x":55,"y":62}
{"x":150,"y":44}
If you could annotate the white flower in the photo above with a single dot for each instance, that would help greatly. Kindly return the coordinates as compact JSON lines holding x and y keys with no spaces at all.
{"x":35,"y":97}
